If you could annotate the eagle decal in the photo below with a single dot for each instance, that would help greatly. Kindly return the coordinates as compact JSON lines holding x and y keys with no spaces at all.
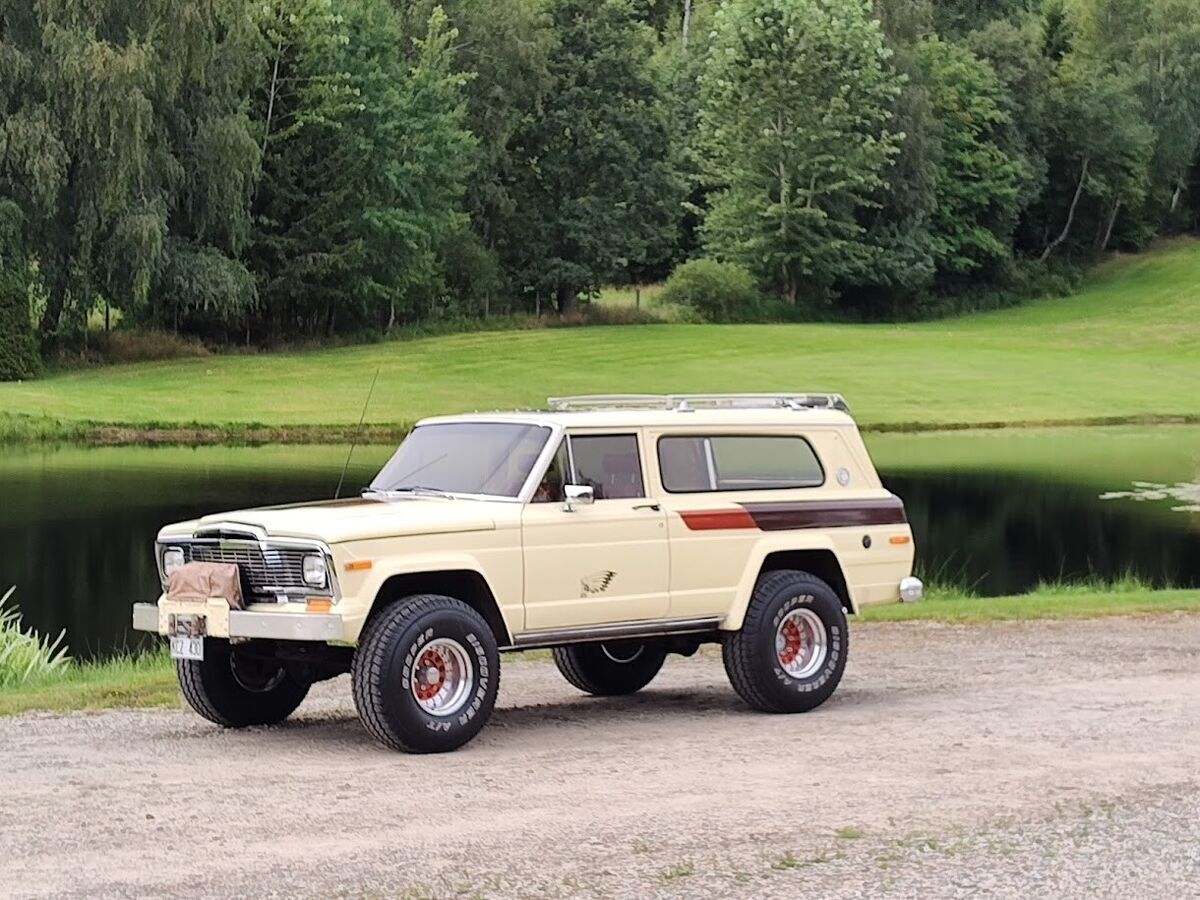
{"x":598,"y":583}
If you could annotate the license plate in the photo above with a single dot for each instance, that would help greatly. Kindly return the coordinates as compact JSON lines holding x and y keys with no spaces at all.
{"x":187,"y":636}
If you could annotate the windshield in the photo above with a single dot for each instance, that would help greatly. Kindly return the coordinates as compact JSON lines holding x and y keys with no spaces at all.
{"x":493,"y":458}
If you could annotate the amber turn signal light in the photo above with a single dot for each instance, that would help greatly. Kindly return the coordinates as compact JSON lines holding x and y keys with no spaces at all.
{"x":319,"y":604}
{"x":358,"y":565}
{"x":899,"y":539}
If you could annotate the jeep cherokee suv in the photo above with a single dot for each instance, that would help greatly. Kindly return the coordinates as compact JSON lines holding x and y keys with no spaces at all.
{"x":613,"y":529}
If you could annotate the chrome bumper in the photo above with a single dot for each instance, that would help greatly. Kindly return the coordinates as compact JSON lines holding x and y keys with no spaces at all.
{"x":249,"y":624}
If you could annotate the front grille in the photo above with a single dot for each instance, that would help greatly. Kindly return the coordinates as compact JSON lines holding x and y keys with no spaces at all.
{"x":271,"y":571}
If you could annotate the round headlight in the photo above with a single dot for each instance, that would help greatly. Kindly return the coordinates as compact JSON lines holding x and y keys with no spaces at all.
{"x":172,"y":559}
{"x":314,"y":570}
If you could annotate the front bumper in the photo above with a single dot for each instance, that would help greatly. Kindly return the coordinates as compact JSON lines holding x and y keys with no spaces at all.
{"x":245,"y":623}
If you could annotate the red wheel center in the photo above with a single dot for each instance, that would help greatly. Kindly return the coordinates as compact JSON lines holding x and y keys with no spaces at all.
{"x":431,"y":675}
{"x":793,"y":643}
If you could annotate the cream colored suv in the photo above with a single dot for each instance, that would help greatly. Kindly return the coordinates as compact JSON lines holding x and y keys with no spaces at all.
{"x":614,"y":529}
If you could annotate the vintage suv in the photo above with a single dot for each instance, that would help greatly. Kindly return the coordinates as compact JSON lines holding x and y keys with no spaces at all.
{"x":613,"y":529}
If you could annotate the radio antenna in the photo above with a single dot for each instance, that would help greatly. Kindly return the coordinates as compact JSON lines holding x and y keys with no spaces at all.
{"x":357,"y":434}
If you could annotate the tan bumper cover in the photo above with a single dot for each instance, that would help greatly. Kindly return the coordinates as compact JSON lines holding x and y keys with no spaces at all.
{"x":282,"y":626}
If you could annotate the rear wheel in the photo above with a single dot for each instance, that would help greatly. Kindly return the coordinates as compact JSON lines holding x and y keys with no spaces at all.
{"x":237,"y":690}
{"x":791,"y":651}
{"x":426,"y":674}
{"x":610,"y":668}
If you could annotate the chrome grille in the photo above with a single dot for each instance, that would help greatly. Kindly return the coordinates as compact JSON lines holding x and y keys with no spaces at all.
{"x":264,"y":571}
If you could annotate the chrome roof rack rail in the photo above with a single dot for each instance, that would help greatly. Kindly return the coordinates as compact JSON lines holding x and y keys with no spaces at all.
{"x":684,"y":402}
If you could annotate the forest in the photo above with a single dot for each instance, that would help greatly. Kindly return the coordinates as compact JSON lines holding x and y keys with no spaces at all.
{"x":252,"y":172}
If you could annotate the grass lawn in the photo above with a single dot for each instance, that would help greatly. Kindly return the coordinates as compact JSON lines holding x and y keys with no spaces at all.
{"x":149,"y":680}
{"x":1067,"y":601}
{"x":1124,"y":347}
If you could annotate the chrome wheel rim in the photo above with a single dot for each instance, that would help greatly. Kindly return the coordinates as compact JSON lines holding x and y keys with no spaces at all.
{"x":622,"y":653}
{"x":801,"y":643}
{"x":442,"y":677}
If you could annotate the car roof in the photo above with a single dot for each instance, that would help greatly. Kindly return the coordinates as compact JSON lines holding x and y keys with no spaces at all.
{"x":803,"y":417}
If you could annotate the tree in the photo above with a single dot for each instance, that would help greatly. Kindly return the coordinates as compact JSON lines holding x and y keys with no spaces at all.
{"x":202,"y":284}
{"x":93,"y":151}
{"x":595,"y":189}
{"x":1017,"y":55}
{"x":956,"y":18}
{"x":796,"y":101}
{"x":364,"y":168}
{"x":504,"y":49}
{"x":977,"y":182}
{"x":412,"y":158}
{"x":299,"y":248}
{"x":18,"y":347}
{"x":681,"y":63}
{"x":78,"y":148}
{"x":1155,"y":46}
{"x":1099,"y":150}
{"x":897,"y":225}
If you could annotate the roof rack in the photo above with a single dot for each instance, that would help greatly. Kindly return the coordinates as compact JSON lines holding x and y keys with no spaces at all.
{"x":685,"y":402}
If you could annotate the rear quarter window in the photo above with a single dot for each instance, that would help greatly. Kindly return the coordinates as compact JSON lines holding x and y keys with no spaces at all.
{"x":707,"y":463}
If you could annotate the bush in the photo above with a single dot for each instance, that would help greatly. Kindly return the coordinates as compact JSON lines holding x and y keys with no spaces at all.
{"x":718,"y":292}
{"x":18,"y":347}
{"x":595,"y":314}
{"x":145,"y":345}
{"x":1018,"y":281}
{"x":129,"y":345}
{"x":25,"y":655}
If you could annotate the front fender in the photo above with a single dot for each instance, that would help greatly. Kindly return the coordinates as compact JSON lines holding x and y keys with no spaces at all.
{"x":764,"y":548}
{"x":361,"y":587}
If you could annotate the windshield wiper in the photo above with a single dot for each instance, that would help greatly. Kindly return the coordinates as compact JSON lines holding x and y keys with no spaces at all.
{"x":414,"y":490}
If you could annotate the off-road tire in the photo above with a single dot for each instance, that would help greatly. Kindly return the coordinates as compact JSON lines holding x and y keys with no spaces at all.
{"x":382,"y":673}
{"x":611,"y":668}
{"x":751,"y":657}
{"x":237,"y":698}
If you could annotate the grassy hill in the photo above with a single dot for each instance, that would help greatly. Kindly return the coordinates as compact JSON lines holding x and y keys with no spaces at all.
{"x":1126,"y":346}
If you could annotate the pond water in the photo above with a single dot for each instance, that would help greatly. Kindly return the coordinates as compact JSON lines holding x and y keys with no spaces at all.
{"x":999,"y":511}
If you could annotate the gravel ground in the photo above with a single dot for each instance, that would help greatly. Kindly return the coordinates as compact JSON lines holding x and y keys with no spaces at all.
{"x":1050,"y":759}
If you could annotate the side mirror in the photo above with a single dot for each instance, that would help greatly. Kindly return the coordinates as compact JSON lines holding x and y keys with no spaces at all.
{"x":578,"y":493}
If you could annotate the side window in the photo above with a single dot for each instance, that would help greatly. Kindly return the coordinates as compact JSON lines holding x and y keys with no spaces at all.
{"x":610,"y":464}
{"x":550,"y":490}
{"x":737,"y":463}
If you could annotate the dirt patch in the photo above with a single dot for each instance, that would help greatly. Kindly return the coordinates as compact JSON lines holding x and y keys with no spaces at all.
{"x":953,"y":760}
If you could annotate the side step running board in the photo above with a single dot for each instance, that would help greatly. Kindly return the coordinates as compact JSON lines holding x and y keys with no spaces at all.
{"x":651,"y":628}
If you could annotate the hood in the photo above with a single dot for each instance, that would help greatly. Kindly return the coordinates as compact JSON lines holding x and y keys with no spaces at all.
{"x":335,"y":521}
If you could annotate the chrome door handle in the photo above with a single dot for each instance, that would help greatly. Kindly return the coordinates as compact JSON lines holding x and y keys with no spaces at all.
{"x":653,"y":506}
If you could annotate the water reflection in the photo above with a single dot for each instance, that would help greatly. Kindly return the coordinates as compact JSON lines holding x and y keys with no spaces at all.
{"x":1003,"y":534}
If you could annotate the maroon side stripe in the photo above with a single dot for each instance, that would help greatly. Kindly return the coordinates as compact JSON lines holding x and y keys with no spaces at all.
{"x":826,"y":513}
{"x":789,"y":515}
{"x":717,"y":519}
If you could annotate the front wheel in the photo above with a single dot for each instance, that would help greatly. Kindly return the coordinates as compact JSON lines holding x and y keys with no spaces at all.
{"x":791,"y":650}
{"x":426,"y":674}
{"x":237,"y":690}
{"x":609,"y":669}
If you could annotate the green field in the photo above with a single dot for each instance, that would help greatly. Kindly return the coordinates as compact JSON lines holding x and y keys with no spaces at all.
{"x":1123,"y":348}
{"x":1065,"y":601}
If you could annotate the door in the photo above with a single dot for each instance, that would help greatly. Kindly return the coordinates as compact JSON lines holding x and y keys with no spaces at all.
{"x":601,"y":562}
